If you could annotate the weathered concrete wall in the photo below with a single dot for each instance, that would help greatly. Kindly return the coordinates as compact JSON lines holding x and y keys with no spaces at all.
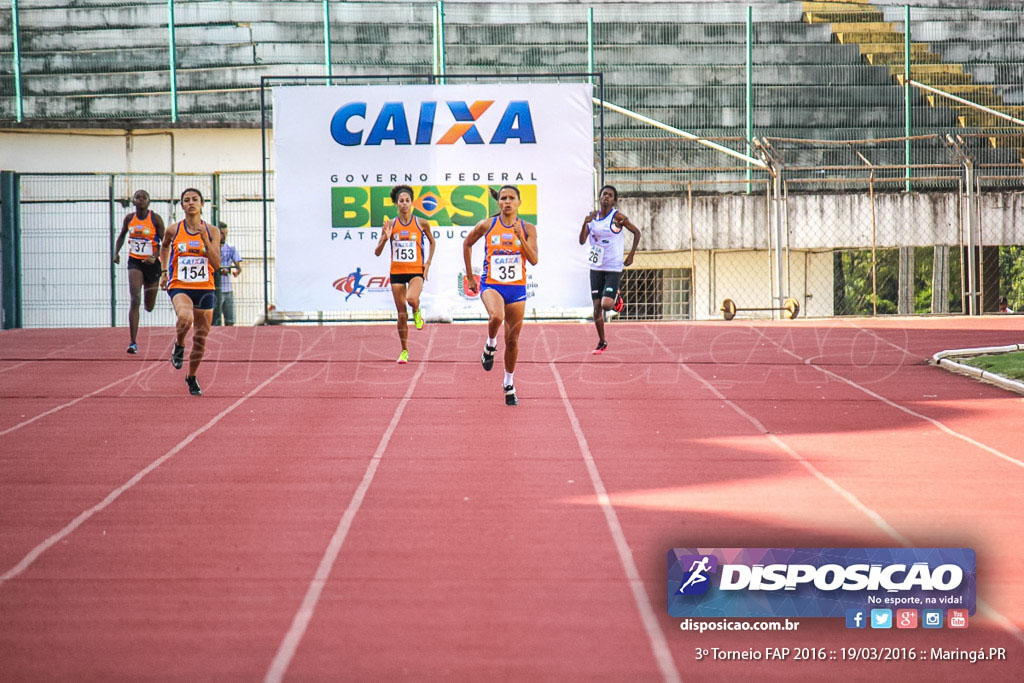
{"x":824,"y":221}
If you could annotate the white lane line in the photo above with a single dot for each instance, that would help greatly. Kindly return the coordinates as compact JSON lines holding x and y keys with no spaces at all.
{"x":879,"y":521}
{"x":290,"y":643}
{"x":61,"y":407}
{"x":936,"y":423}
{"x":34,"y":554}
{"x":659,"y":645}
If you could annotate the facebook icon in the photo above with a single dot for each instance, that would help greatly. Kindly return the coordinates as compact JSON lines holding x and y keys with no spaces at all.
{"x":856,"y":618}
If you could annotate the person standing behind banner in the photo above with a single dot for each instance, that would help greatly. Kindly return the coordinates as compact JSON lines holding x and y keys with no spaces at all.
{"x":603,"y":230}
{"x":191,"y":252}
{"x":508,"y":241}
{"x":230,"y":264}
{"x":144,"y":230}
{"x":409,"y":269}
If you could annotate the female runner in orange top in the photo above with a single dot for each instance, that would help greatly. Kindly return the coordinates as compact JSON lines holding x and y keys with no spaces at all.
{"x":144,"y":230}
{"x":191,"y":252}
{"x":408,"y":267}
{"x":508,"y":242}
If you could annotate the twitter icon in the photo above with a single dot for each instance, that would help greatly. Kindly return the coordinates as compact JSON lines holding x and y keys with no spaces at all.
{"x":881,"y":618}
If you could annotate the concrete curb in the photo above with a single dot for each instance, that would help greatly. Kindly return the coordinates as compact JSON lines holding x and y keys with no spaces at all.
{"x":942,"y":358}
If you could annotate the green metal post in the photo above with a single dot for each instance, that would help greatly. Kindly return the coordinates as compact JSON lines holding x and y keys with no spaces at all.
{"x":328,"y":69}
{"x":112,"y":230}
{"x":750,"y":90}
{"x":436,"y":53}
{"x":590,"y":43}
{"x":173,"y":60}
{"x":215,"y":184}
{"x":19,"y":111}
{"x":906,"y":89}
{"x":10,"y":249}
{"x":440,"y":39}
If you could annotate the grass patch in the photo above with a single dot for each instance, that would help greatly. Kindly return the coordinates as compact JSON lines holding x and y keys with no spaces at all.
{"x":1006,"y":364}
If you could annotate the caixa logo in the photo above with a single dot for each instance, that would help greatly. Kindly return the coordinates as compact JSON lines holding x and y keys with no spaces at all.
{"x":392,"y":122}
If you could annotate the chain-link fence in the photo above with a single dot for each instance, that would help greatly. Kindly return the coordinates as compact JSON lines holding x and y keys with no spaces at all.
{"x":69,"y":224}
{"x":838,"y":245}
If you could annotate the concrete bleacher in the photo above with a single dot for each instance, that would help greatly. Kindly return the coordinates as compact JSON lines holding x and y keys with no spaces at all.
{"x":103,"y":63}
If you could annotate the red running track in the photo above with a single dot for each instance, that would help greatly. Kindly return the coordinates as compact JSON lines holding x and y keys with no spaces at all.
{"x":323,"y":513}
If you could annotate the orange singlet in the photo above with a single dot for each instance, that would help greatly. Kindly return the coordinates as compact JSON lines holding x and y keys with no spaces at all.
{"x":504,"y":263}
{"x":142,"y":239}
{"x":189,"y":266}
{"x":406,"y":248}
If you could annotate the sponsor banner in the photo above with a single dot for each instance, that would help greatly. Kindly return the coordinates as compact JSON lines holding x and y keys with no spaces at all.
{"x":818,"y":582}
{"x":340,"y":150}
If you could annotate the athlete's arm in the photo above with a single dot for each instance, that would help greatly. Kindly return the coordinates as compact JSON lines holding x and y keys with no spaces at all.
{"x":425,"y":228}
{"x":211,"y":241}
{"x":530,"y":243}
{"x":626,"y":223}
{"x":165,"y":257}
{"x":385,"y":235}
{"x":158,"y":223}
{"x":120,"y":239}
{"x":586,"y":226}
{"x":467,"y":252}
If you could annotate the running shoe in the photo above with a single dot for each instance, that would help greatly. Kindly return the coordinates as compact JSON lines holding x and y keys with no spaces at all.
{"x":178,"y":356}
{"x":487,"y":357}
{"x":601,"y":347}
{"x":193,"y":385}
{"x":403,"y":357}
{"x":417,"y":319}
{"x":133,"y":348}
{"x":510,"y":396}
{"x":619,"y":303}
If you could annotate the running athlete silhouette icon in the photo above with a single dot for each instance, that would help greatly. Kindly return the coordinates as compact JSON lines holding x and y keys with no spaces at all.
{"x":357,"y":288}
{"x":697,"y":576}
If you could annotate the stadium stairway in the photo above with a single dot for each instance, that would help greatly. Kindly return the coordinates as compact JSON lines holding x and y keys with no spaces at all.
{"x":961,"y":48}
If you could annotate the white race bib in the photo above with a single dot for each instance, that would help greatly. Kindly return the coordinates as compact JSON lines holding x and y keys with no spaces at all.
{"x":596,"y":255}
{"x":193,"y":269}
{"x":403,"y":251}
{"x":140,"y":246}
{"x":506,"y":268}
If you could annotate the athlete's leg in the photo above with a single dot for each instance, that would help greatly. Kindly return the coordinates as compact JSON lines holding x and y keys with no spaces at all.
{"x":135,"y":289}
{"x":399,"y":292}
{"x":513,"y":326}
{"x":150,"y":292}
{"x":203,"y":318}
{"x":413,"y":294}
{"x":183,"y":310}
{"x":413,"y":297}
{"x":495,"y":306}
{"x":599,"y":319}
